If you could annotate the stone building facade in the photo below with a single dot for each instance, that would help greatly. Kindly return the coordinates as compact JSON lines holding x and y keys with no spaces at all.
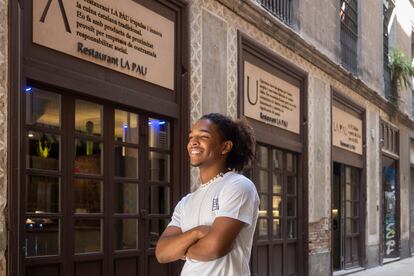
{"x":300,"y":45}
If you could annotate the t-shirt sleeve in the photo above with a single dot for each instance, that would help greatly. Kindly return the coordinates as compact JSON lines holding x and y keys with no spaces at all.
{"x":238,"y":200}
{"x":176,"y":217}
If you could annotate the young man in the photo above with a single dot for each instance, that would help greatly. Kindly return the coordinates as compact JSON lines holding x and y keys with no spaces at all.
{"x":213,"y":227}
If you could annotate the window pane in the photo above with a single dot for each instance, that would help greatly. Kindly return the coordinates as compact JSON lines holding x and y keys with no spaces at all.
{"x":88,"y":235}
{"x":160,"y":200}
{"x":356,"y":209}
{"x":263,"y":206}
{"x":157,"y":226}
{"x":159,"y":166}
{"x":126,"y":234}
{"x":126,"y":162}
{"x":261,"y":156}
{"x":291,"y":206}
{"x":126,"y":126}
{"x":291,"y":229}
{"x":159,"y":133}
{"x":277,"y":159}
{"x":87,"y":196}
{"x":42,"y":194}
{"x":88,"y":118}
{"x":43,"y":151}
{"x":277,"y":206}
{"x":42,"y":108}
{"x":348,"y":209}
{"x":291,"y":185}
{"x":277,"y":228}
{"x":262,"y":223}
{"x":355,"y":226}
{"x":277,"y":184}
{"x":126,"y":198}
{"x":42,"y":237}
{"x":290,"y":162}
{"x":263,"y":181}
{"x":88,"y":157}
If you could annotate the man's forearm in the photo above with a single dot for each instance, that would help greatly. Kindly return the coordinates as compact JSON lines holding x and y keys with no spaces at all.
{"x":206,"y":249}
{"x":174,"y":247}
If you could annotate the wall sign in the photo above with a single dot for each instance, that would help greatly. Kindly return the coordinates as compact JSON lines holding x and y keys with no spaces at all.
{"x":270,"y":99}
{"x":121,"y":35}
{"x":346,"y":131}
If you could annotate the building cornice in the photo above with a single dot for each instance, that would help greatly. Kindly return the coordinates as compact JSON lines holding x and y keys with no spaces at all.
{"x":253,"y":13}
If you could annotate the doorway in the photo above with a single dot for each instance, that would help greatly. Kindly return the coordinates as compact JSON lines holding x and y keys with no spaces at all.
{"x":277,"y":247}
{"x":96,"y":186}
{"x":346,"y":222}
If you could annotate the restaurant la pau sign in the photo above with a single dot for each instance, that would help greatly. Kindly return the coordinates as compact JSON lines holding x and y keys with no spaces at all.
{"x":346,"y":131}
{"x":121,"y":35}
{"x":270,"y":99}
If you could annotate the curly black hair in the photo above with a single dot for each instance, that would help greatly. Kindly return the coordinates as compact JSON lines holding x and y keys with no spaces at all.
{"x":240,"y":133}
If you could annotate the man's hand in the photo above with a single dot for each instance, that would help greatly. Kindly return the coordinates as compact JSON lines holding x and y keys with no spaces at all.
{"x":173,"y":243}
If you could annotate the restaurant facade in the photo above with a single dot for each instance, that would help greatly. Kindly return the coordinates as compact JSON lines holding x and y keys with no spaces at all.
{"x":98,"y":97}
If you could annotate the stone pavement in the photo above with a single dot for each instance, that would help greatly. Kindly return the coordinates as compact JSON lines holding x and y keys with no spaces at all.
{"x":404,"y":267}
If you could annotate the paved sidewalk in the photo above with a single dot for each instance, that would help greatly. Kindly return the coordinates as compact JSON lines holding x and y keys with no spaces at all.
{"x":404,"y":267}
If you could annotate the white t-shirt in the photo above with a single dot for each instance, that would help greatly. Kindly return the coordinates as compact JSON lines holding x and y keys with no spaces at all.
{"x":232,"y":196}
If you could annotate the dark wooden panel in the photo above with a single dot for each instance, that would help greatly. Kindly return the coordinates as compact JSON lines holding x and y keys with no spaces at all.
{"x":88,"y":269}
{"x":291,"y":264}
{"x":154,"y":268}
{"x":262,"y":260}
{"x":277,"y":262}
{"x":52,"y":270}
{"x":126,"y":267}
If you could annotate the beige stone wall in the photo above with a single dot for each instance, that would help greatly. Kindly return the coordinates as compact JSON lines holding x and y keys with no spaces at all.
{"x":3,"y":131}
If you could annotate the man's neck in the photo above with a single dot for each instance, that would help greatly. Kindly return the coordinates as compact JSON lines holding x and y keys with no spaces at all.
{"x":208,"y":174}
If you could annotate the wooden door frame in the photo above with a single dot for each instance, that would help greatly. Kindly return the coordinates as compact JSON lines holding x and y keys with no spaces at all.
{"x":285,"y":140}
{"x":23,"y":68}
{"x":351,"y":159}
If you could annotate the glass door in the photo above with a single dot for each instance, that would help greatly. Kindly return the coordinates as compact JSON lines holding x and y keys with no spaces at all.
{"x":346,"y":222}
{"x":97,"y":187}
{"x":276,"y":247}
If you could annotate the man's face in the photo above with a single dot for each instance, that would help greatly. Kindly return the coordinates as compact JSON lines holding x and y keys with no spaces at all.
{"x":205,"y":145}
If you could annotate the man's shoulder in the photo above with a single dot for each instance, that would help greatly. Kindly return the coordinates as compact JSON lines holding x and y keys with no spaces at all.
{"x":240,"y":181}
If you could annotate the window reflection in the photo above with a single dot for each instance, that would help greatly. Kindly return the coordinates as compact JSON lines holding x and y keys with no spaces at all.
{"x":159,"y":133}
{"x":42,"y":108}
{"x":88,"y":157}
{"x":126,"y":233}
{"x":42,"y":194}
{"x":159,"y":166}
{"x":126,"y":162}
{"x":88,"y":196}
{"x":42,"y":237}
{"x":160,"y":200}
{"x":43,"y":151}
{"x":88,"y":235}
{"x":126,"y":127}
{"x":88,"y":118}
{"x":126,"y":198}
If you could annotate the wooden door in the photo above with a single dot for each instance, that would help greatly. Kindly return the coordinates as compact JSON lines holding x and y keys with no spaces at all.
{"x":276,"y":249}
{"x":96,"y":187}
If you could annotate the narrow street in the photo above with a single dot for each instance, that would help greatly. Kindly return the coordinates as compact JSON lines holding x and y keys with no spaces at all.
{"x":401,"y":268}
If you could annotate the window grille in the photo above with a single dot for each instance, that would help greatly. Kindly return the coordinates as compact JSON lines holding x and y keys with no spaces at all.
{"x":349,"y":33}
{"x":282,"y":9}
{"x":389,"y":138}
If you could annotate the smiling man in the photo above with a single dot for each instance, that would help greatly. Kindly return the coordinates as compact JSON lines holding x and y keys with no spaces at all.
{"x":213,"y":227}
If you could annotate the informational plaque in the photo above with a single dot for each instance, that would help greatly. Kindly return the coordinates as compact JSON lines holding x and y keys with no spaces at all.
{"x":270,"y":99}
{"x":121,"y":35}
{"x":346,"y":131}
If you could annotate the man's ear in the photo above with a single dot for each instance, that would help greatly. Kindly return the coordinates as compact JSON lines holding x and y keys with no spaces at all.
{"x":227,"y":146}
